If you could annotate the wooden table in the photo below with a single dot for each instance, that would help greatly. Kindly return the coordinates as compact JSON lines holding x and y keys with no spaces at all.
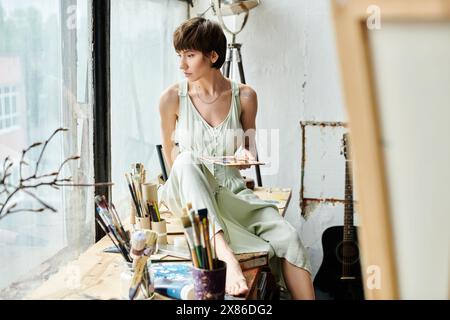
{"x":279,"y":196}
{"x":96,"y":274}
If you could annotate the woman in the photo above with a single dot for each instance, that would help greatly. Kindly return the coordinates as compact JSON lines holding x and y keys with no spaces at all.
{"x":196,"y":113}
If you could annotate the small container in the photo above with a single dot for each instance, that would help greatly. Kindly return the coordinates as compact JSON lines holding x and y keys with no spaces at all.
{"x":161,"y":229}
{"x":126,"y":276}
{"x":125,"y":279}
{"x":150,"y":192}
{"x":143,"y":223}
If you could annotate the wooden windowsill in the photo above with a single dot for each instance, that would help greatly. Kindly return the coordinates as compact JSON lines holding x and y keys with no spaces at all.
{"x":96,"y":274}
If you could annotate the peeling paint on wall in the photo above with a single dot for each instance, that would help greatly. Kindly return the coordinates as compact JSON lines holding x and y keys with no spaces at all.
{"x":304,"y":200}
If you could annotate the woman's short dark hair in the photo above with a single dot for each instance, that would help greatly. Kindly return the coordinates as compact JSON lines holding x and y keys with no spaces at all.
{"x":202,"y":35}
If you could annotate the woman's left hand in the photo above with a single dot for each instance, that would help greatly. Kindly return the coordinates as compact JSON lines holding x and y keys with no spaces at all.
{"x":244,"y":155}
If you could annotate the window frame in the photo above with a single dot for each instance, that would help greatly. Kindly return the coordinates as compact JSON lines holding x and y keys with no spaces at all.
{"x":101,"y":17}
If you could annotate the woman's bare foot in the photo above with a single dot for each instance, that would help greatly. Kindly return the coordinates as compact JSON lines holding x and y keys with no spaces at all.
{"x":235,"y":283}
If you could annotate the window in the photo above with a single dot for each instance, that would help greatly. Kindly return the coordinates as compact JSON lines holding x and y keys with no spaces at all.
{"x":43,"y":50}
{"x":8,"y":108}
{"x":143,"y":64}
{"x":46,"y":82}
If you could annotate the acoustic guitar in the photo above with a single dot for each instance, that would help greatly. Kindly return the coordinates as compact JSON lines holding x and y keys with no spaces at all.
{"x":339,"y":276}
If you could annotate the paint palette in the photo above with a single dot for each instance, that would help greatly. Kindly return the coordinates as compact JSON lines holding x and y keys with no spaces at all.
{"x":231,"y":161}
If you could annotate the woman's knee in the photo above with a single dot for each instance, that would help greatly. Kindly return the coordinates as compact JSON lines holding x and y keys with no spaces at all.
{"x":284,"y":237}
{"x":290,"y":233}
{"x":185,"y":162}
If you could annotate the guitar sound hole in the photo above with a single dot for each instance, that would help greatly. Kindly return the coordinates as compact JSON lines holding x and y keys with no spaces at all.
{"x":347,"y":252}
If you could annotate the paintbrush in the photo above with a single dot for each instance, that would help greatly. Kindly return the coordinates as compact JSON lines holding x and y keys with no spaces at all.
{"x":134,"y":192}
{"x":113,"y":217}
{"x":133,"y":195}
{"x":140,"y":264}
{"x":116,"y":219}
{"x":120,"y":248}
{"x":155,"y":206}
{"x":140,"y":261}
{"x":214,"y":249}
{"x":150,"y":247}
{"x":151,"y":212}
{"x":202,"y":242}
{"x":196,"y":237}
{"x":138,"y":196}
{"x":122,"y":229}
{"x":111,"y":220}
{"x":150,"y":243}
{"x":108,"y":229}
{"x":104,"y":215}
{"x":203,"y":215}
{"x":138,"y":177}
{"x":189,"y":237}
{"x":138,"y":241}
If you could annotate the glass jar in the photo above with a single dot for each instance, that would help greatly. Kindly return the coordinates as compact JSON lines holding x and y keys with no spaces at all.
{"x":126,"y":277}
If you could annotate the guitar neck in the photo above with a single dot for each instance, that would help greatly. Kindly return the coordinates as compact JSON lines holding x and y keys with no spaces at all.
{"x":348,"y":210}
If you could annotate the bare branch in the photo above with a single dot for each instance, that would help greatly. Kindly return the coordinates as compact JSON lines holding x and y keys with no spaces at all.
{"x":98,"y":184}
{"x":34,"y":145}
{"x":22,"y":158}
{"x":47,"y":206}
{"x":2,"y":209}
{"x":7,"y":164}
{"x":23,"y":210}
{"x":45,"y":146}
{"x":35,"y":181}
{"x":8,"y":210}
{"x":64,"y":162}
{"x":46,"y":175}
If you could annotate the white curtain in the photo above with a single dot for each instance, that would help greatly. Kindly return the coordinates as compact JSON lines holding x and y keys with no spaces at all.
{"x":40,"y":43}
{"x":143,"y":64}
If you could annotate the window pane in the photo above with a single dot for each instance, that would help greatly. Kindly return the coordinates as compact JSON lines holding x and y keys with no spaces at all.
{"x":7,"y":109}
{"x":143,"y":64}
{"x":13,"y":105}
{"x":37,"y":56}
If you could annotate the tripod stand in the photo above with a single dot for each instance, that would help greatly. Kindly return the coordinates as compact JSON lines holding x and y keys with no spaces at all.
{"x":226,"y":72}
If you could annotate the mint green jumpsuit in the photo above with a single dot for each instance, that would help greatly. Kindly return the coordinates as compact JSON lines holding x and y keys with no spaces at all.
{"x":249,"y":224}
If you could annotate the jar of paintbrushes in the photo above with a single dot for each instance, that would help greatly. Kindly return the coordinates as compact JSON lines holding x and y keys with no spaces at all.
{"x":145,"y":210}
{"x":158,"y":224}
{"x":209,"y":273}
{"x":135,"y":179}
{"x":136,"y":278}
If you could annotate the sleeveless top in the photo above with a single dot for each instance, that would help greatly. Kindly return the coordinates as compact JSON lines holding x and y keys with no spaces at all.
{"x":194,"y":134}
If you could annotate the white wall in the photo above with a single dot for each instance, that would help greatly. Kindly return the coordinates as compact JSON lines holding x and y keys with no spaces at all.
{"x":290,"y":59}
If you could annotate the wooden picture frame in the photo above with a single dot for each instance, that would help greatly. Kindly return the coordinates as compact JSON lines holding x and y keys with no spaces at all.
{"x":350,"y":21}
